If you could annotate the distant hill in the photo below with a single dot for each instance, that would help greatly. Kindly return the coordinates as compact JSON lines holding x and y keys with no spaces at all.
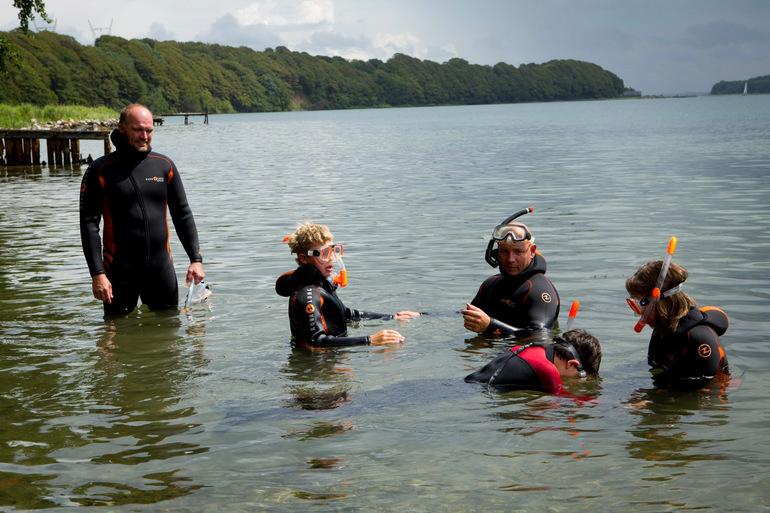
{"x":756,"y":85}
{"x":173,"y":76}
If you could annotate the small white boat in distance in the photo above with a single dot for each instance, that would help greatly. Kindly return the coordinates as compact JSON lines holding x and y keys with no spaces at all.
{"x":745,"y":88}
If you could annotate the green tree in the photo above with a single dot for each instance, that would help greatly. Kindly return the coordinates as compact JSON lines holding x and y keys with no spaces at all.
{"x":27,"y":10}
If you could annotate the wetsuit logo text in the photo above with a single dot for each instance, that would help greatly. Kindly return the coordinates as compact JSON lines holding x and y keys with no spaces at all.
{"x":156,"y":179}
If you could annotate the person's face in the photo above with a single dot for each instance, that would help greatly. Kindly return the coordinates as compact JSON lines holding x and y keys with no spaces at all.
{"x":138,"y":129}
{"x":514,"y":257}
{"x":324,"y":265}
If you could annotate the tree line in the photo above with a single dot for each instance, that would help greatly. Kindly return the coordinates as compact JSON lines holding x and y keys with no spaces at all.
{"x":171,"y":76}
{"x":756,"y":85}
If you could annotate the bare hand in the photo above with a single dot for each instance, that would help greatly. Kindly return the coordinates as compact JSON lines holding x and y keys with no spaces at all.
{"x":475,"y":318}
{"x":406,"y":314}
{"x":386,"y":337}
{"x":194,"y":272}
{"x":102,"y":288}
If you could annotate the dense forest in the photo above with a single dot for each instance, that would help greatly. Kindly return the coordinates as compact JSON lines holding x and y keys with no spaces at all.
{"x":756,"y":85}
{"x":174,"y":76}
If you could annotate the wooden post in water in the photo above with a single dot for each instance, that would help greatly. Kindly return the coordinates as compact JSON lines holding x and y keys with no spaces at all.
{"x":35,"y":151}
{"x":65,"y":151}
{"x":75,"y":150}
{"x":49,"y":149}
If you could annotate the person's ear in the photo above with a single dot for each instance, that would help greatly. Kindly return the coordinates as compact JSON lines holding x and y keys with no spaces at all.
{"x":302,"y":259}
{"x":533,"y":248}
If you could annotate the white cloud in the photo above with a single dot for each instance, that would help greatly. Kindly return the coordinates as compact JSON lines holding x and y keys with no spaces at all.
{"x":272,"y":13}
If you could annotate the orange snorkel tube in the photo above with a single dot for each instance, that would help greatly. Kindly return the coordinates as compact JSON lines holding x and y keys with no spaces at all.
{"x":573,"y":311}
{"x":655,"y":295}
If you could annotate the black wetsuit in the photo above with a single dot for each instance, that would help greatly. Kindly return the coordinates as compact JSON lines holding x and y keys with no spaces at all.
{"x":527,"y":301}
{"x":692,"y":354}
{"x":316,"y":314}
{"x":132,"y":191}
{"x":528,"y":367}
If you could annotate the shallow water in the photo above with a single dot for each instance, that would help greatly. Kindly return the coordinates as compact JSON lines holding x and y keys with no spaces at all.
{"x":214,"y":409}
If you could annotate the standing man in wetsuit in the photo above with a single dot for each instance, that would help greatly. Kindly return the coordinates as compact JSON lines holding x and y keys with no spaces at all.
{"x":132,"y":189}
{"x":520,"y":297}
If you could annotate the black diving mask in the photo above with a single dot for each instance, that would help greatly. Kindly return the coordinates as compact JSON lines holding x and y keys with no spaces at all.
{"x":514,"y":232}
{"x":559,"y":341}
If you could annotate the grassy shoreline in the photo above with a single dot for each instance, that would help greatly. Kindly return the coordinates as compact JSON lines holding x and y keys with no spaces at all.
{"x":22,"y":115}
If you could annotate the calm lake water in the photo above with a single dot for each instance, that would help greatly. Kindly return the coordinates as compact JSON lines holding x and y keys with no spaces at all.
{"x":215,"y":411}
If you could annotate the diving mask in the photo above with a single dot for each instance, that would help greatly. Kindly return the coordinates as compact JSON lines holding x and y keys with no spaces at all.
{"x":515,"y":232}
{"x":326,"y":253}
{"x":638,"y":305}
{"x":559,"y":341}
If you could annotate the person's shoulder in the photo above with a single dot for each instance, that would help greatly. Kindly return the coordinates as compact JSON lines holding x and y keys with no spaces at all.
{"x":160,"y":156}
{"x":102,"y":161}
{"x":491,"y":280}
{"x":715,"y":318}
{"x":307,"y":293}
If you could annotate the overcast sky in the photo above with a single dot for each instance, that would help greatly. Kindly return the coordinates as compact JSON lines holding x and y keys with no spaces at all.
{"x":656,"y":46}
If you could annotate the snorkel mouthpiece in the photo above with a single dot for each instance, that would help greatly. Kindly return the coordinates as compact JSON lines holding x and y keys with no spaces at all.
{"x":491,"y":255}
{"x":341,"y":278}
{"x":646,"y":316}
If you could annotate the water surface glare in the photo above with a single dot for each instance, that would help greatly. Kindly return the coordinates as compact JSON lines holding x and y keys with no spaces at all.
{"x":215,"y":410}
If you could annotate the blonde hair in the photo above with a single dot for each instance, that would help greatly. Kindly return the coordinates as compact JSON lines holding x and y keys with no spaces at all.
{"x":669,"y":310}
{"x":307,"y":235}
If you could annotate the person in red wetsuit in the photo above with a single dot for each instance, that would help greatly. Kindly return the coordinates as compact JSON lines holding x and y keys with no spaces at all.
{"x":132,"y":190}
{"x":317,"y":316}
{"x":576,"y":353}
{"x":684,"y":350}
{"x":519,"y":297}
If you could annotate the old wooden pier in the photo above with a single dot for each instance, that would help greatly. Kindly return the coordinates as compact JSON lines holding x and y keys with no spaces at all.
{"x":159,"y":119}
{"x":22,"y":147}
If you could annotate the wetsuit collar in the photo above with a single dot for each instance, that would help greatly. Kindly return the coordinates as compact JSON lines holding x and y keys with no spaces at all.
{"x":536,"y":266}
{"x":302,"y":276}
{"x":121,"y":144}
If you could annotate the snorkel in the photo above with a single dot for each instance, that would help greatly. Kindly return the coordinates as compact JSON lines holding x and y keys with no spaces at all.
{"x":573,"y":311}
{"x":491,"y":255}
{"x":341,"y":278}
{"x":655,"y":296}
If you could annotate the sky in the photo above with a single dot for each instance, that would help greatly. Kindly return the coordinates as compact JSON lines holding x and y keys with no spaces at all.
{"x":655,"y":46}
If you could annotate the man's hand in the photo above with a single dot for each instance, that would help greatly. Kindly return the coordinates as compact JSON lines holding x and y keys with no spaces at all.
{"x":386,"y":337}
{"x":194,"y":272}
{"x":102,"y":288}
{"x":475,"y":318}
{"x":404,"y":315}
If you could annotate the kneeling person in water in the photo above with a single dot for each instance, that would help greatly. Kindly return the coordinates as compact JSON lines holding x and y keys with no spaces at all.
{"x":316,"y":314}
{"x":576,"y":353}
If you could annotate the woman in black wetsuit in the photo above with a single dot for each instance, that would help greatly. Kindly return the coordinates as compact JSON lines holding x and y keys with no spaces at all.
{"x":316,"y":314}
{"x":684,"y":350}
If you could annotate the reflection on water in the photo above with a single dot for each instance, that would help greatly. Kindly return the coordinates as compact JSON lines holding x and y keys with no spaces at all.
{"x":200,"y":411}
{"x":117,"y":404}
